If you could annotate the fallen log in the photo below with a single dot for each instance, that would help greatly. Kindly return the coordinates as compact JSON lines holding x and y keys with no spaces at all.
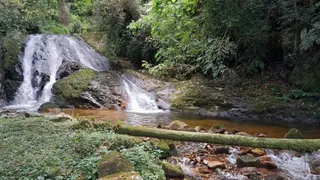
{"x":235,"y":140}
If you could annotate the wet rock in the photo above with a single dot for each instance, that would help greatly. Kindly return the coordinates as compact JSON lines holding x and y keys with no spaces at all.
{"x":253,"y":177}
{"x":222,"y":150}
{"x":175,"y":125}
{"x":261,"y":135}
{"x":267,"y":163}
{"x":217,"y":129}
{"x":293,"y":134}
{"x":257,"y":152}
{"x":113,"y":163}
{"x":216,"y":164}
{"x":315,"y":166}
{"x":249,"y":170}
{"x":61,"y":117}
{"x":171,"y":170}
{"x":242,"y":134}
{"x":199,"y":128}
{"x":248,"y":161}
{"x":122,"y":176}
{"x":274,"y":177}
{"x":204,"y":170}
{"x":48,"y":106}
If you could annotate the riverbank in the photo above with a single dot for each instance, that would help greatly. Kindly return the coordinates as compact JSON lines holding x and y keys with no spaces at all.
{"x":60,"y":146}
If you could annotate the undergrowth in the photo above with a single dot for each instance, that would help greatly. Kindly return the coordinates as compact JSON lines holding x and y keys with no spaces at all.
{"x":35,"y":148}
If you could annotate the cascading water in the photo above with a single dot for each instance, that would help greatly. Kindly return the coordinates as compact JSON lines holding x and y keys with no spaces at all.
{"x":139,"y":101}
{"x":43,"y":58}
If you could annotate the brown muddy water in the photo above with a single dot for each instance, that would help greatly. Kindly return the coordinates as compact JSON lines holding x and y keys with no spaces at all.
{"x":271,"y":129}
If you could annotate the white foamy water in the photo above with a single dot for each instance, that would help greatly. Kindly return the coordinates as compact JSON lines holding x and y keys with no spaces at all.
{"x":139,"y":101}
{"x":43,"y":57}
{"x":296,"y":168}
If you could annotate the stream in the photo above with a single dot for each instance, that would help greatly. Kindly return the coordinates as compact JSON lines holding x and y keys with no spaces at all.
{"x":252,"y":127}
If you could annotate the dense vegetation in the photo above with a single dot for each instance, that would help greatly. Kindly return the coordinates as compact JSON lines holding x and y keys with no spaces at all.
{"x":36,"y":148}
{"x":181,"y":37}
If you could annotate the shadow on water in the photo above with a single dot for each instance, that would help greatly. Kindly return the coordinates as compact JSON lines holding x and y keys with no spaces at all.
{"x":276,"y":130}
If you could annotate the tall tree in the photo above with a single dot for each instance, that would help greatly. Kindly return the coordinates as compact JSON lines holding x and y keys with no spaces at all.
{"x":64,"y":12}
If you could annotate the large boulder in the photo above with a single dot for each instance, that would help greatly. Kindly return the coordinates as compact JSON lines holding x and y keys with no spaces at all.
{"x":89,"y":89}
{"x":113,"y":163}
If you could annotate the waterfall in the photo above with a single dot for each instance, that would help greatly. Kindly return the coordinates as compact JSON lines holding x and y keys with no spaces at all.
{"x":43,"y":59}
{"x":139,"y":101}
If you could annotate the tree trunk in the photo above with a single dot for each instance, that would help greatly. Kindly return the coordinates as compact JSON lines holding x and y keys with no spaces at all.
{"x":64,"y":12}
{"x":235,"y":140}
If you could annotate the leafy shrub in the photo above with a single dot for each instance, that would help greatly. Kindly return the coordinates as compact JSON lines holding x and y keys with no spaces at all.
{"x":144,"y":162}
{"x":54,"y":28}
{"x":113,"y":17}
{"x":12,"y":44}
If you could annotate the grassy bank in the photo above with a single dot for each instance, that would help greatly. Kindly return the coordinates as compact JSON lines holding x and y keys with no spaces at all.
{"x":36,"y":148}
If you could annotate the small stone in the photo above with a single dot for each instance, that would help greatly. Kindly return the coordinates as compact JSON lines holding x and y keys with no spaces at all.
{"x":249,"y":170}
{"x":172,"y":170}
{"x":248,"y":161}
{"x":122,"y":176}
{"x":267,"y":163}
{"x":222,"y":150}
{"x":216,"y":164}
{"x":243,"y":134}
{"x":274,"y":177}
{"x":261,"y":135}
{"x":257,"y":152}
{"x":199,"y":128}
{"x":315,"y":166}
{"x":204,"y":170}
{"x":175,"y":125}
{"x":293,"y":134}
{"x":198,"y":159}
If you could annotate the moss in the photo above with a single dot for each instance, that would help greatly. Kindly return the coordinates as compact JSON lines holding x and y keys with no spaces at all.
{"x":293,"y":134}
{"x":163,"y":146}
{"x":72,"y":86}
{"x":113,"y":163}
{"x":47,"y":106}
{"x":122,"y":176}
{"x":193,"y":94}
{"x":171,"y":170}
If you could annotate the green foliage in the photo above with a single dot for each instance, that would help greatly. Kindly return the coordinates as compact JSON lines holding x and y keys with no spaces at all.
{"x":12,"y":45}
{"x":112,"y":17}
{"x":54,"y":28}
{"x":146,"y":163}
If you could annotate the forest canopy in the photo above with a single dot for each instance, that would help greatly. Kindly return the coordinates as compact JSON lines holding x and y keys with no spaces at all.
{"x":181,"y":37}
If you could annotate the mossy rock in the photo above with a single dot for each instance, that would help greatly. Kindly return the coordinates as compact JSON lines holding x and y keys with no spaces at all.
{"x":175,"y":125}
{"x":293,"y":134}
{"x":123,"y":176}
{"x":113,"y":163}
{"x":163,"y":146}
{"x":171,"y":170}
{"x":193,"y":95}
{"x":71,"y":87}
{"x":45,"y":107}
